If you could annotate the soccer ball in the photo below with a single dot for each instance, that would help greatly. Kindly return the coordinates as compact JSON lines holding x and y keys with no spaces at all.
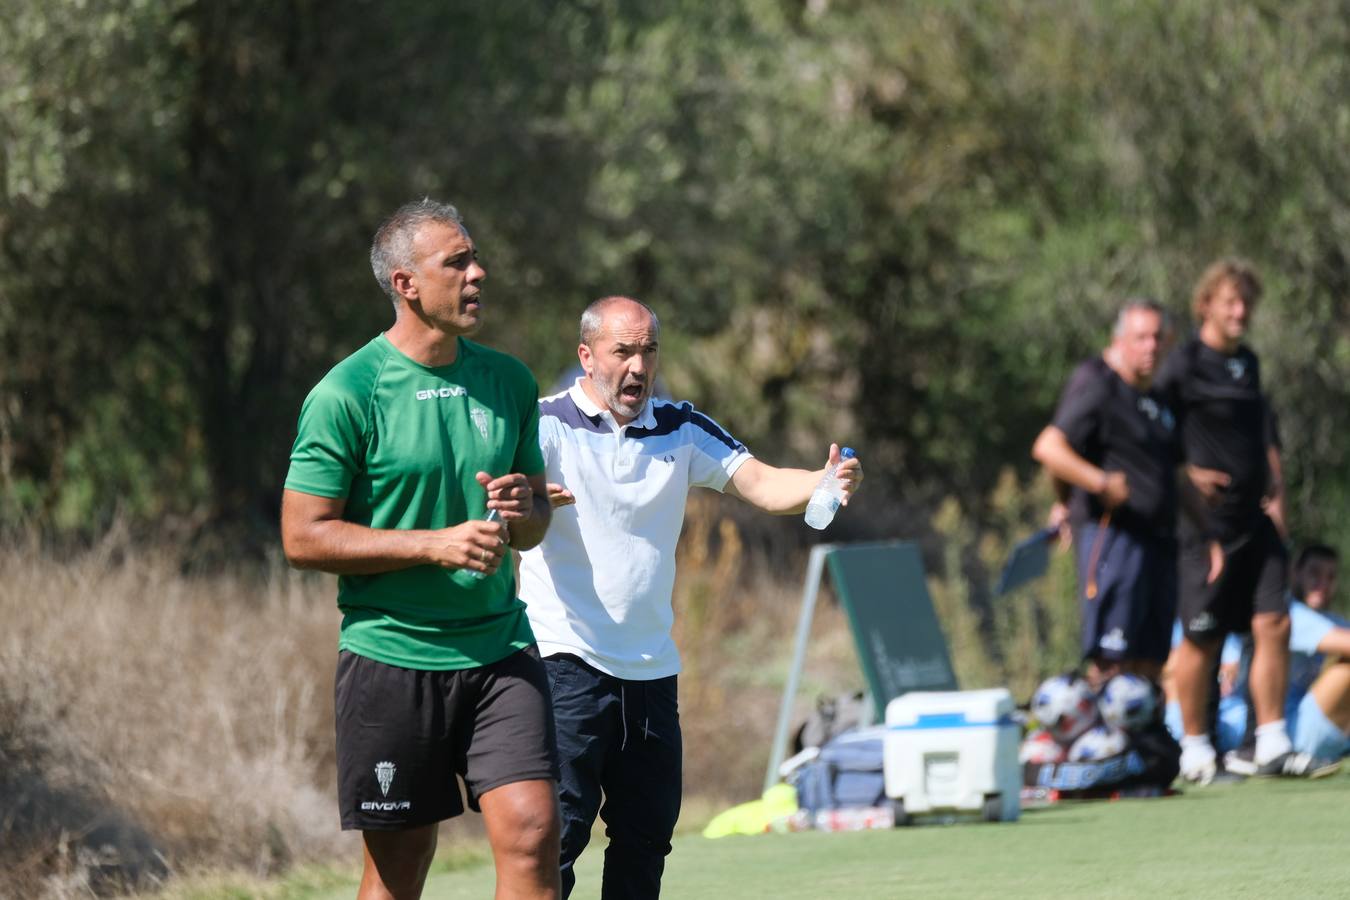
{"x":1040,"y":747}
{"x":1099,"y":742}
{"x":1065,"y":706}
{"x":1128,"y":701}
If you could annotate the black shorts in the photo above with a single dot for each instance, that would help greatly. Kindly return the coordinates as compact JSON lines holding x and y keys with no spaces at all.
{"x":1135,"y":576}
{"x":1255,"y":579}
{"x":404,"y":734}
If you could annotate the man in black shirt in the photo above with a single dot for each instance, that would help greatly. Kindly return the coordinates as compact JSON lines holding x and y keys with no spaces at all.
{"x":1213,"y":381}
{"x":1112,"y":450}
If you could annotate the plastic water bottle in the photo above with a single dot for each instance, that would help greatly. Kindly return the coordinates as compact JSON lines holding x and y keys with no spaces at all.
{"x":492,"y":516}
{"x":827,"y":496}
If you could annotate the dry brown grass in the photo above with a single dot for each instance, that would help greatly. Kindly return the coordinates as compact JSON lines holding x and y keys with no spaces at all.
{"x":144,"y":709}
{"x":154,"y":720}
{"x":193,"y":713}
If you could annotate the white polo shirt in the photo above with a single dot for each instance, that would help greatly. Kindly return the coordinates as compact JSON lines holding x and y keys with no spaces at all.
{"x":599,"y":586}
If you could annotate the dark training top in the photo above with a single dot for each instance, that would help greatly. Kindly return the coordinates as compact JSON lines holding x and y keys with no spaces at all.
{"x":1121,"y":429}
{"x":1226,"y":424}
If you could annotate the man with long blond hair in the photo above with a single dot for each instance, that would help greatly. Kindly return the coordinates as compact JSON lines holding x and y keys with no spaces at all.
{"x":1234,"y":565}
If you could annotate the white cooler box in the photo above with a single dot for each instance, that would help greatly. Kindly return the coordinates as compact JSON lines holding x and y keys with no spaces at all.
{"x":951,"y":752}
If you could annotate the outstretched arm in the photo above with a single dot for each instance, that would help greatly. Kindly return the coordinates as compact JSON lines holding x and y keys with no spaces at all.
{"x":786,"y":491}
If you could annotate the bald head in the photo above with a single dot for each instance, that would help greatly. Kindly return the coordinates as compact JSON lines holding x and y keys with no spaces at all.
{"x":595,"y":319}
{"x":618,"y":353}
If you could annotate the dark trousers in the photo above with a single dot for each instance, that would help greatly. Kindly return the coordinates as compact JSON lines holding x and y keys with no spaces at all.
{"x":621,"y":755}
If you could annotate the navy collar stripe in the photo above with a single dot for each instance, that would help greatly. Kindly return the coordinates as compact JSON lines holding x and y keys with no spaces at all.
{"x":565,"y":410}
{"x":669,"y":418}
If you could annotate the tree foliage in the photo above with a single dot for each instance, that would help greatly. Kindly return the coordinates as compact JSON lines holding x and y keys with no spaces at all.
{"x":900,"y":225}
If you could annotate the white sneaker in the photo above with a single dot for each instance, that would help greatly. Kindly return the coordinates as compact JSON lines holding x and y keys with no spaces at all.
{"x":1242,"y":761}
{"x":1199,"y":763}
{"x":1291,"y":764}
{"x":1201,"y":773}
{"x":1305,"y":765}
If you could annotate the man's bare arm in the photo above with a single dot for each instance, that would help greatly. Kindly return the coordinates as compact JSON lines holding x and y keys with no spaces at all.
{"x":1195,"y":507}
{"x":523,"y":502}
{"x":787,"y":491}
{"x":315,"y":536}
{"x":1053,"y":451}
{"x":1335,"y":642}
{"x":1273,"y":502}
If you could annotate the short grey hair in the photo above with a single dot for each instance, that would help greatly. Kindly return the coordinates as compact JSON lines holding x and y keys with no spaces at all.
{"x":1144,"y":303}
{"x":592,"y":320}
{"x":393,"y":245}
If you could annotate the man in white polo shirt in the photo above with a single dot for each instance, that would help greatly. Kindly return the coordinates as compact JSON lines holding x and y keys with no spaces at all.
{"x":598,"y":589}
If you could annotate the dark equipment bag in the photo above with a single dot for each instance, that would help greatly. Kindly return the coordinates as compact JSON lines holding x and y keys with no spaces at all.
{"x":847,"y":773}
{"x":1152,"y":761}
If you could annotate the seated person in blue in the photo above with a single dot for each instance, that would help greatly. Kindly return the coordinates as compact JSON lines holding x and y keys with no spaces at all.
{"x":1317,"y":706}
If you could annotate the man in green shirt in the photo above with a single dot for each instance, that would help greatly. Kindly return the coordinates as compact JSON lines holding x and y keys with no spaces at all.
{"x":403,"y":451}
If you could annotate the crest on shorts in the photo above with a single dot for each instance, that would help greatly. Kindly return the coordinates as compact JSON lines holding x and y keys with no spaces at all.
{"x":1114,"y":640}
{"x":384,"y":773}
{"x":480,"y":419}
{"x":1203,"y":622}
{"x":1237,"y":368}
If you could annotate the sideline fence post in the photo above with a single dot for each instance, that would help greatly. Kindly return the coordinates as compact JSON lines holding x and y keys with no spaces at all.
{"x":815,"y":567}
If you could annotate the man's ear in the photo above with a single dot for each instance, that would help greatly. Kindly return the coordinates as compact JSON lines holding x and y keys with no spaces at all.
{"x":586,"y":358}
{"x":404,"y":285}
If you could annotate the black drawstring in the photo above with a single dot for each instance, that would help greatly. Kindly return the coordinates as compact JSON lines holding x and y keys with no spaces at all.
{"x":623,"y":713}
{"x":646,"y":712}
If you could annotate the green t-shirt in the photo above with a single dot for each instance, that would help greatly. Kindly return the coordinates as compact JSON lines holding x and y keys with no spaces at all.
{"x":402,"y":442}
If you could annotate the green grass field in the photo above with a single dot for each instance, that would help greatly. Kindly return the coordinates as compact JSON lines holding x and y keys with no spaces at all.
{"x":1262,"y":838}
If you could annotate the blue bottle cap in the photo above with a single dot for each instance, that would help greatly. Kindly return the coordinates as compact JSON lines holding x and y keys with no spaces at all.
{"x":847,"y":453}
